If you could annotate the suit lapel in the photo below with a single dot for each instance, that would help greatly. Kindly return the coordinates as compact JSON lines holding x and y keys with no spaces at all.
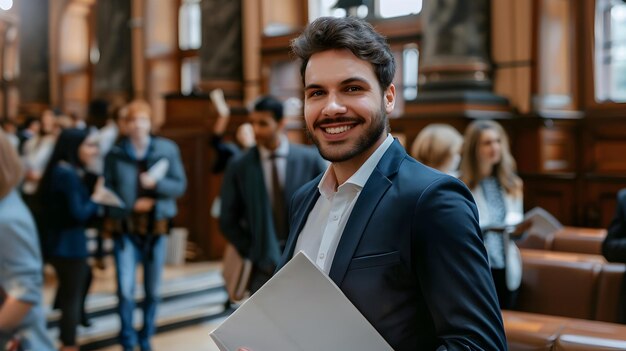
{"x":367,"y":202}
{"x":300,"y":217}
{"x":373,"y":191}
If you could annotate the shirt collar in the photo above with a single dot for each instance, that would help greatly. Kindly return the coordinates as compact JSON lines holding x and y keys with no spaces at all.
{"x":329,"y":181}
{"x":282,"y":150}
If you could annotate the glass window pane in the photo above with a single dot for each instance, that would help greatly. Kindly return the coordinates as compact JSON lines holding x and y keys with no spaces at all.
{"x":190,"y":25}
{"x":321,"y":8}
{"x":396,"y":8}
{"x":189,"y":74}
{"x":610,"y":51}
{"x":410,"y":62}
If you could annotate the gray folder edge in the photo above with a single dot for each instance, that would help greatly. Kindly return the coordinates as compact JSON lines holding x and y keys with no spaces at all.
{"x":299,"y":308}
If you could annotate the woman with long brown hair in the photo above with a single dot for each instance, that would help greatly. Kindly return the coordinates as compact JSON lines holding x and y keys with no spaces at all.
{"x":488,"y":169}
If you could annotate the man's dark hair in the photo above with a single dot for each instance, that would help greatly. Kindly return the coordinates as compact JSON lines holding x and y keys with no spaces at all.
{"x":270,"y":104}
{"x":356,"y":35}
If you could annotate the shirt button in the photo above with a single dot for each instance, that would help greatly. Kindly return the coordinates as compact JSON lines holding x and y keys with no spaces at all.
{"x":335,"y":217}
{"x":322,"y":256}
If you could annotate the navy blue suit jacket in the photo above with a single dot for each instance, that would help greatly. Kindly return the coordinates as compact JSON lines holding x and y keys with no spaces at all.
{"x":411,"y":258}
{"x":67,"y":210}
{"x":246,"y":213}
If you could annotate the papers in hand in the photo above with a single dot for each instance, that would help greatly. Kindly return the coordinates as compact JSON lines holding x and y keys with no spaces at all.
{"x":543,"y":223}
{"x":300,"y":308}
{"x":159,"y":169}
{"x":217,"y":98}
{"x":104,"y":196}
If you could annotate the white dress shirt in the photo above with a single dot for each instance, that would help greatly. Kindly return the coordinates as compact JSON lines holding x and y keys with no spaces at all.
{"x":324,"y":226}
{"x":281,"y":164}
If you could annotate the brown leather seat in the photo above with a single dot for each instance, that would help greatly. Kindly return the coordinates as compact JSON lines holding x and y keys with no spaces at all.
{"x":531,"y":332}
{"x":559,"y":284}
{"x":591,"y":336}
{"x":580,"y":240}
{"x":536,"y":242}
{"x":609,"y":292}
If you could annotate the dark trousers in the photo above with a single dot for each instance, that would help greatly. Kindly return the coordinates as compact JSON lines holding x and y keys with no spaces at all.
{"x":74,"y":276}
{"x":506,"y":297}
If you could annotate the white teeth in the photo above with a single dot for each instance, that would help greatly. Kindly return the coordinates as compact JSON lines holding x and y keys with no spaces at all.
{"x":338,"y":130}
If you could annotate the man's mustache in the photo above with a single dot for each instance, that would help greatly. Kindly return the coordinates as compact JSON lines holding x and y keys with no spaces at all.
{"x":317,"y":124}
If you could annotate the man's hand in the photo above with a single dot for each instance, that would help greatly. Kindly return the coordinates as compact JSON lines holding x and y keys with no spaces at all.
{"x":32,"y":175}
{"x":147,"y":182}
{"x":143,"y":205}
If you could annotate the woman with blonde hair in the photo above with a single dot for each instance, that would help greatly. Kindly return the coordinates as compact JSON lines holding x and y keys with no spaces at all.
{"x":21,"y":278}
{"x":438,"y":146}
{"x":488,"y":169}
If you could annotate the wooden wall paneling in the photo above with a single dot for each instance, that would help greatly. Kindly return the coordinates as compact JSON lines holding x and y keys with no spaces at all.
{"x":252,"y":32}
{"x":524,"y":20}
{"x":556,"y":59}
{"x":523,"y":88}
{"x":559,"y":146}
{"x":75,"y":94}
{"x":600,"y":199}
{"x":504,"y":83}
{"x":556,"y":195}
{"x":503,"y":33}
{"x":512,"y":48}
{"x":525,"y":143}
{"x":605,"y":146}
{"x":283,"y":16}
{"x":163,"y":78}
{"x":189,"y":123}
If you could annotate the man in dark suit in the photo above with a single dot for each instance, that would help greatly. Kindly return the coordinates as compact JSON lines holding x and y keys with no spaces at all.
{"x":614,"y":245}
{"x":257,"y":187}
{"x":401,"y":240}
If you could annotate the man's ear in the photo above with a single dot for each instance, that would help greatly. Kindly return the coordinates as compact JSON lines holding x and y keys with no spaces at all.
{"x":390,"y":98}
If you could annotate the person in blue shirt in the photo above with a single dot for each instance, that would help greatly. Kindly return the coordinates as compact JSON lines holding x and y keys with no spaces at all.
{"x":21,"y":277}
{"x":147,"y":174}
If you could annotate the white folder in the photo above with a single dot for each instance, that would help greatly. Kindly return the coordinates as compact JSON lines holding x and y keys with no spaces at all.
{"x":299,"y":309}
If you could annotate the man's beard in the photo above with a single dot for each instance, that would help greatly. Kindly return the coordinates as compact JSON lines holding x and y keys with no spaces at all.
{"x":363,"y":143}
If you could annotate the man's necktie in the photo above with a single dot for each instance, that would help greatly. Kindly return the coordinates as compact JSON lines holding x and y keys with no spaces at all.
{"x":279,"y":209}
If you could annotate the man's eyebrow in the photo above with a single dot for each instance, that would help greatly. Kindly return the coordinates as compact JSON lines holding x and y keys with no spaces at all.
{"x":343,"y":82}
{"x":312,"y":86}
{"x":354,"y":80}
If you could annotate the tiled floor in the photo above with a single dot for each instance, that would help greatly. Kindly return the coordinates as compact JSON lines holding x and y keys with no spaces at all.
{"x":194,"y":338}
{"x":191,"y":338}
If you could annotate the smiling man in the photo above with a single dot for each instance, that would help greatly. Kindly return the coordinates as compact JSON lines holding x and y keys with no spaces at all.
{"x":399,"y":239}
